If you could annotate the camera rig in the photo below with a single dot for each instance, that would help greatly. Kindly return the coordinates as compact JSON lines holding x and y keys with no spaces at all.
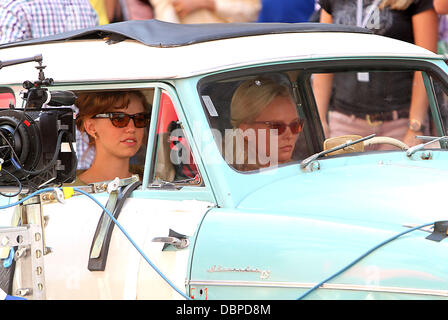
{"x":36,"y":141}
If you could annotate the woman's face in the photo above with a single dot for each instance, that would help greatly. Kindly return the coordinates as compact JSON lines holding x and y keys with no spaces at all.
{"x":117,"y":142}
{"x":279,"y":146}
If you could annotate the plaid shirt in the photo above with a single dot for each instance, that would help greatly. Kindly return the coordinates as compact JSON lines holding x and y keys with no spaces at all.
{"x":84,"y":152}
{"x":27,"y":19}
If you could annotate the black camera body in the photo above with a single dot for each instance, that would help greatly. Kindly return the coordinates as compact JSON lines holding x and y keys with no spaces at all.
{"x":32,"y":142}
{"x":36,"y":142}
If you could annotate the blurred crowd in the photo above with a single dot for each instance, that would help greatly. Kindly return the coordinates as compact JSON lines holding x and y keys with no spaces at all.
{"x":26,"y":19}
{"x":262,"y":11}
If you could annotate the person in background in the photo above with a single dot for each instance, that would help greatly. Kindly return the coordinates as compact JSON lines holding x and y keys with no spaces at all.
{"x":441,"y":6}
{"x":315,"y":16}
{"x":206,"y":11}
{"x":23,"y":19}
{"x":443,"y":35}
{"x":412,"y":21}
{"x":286,"y":10}
{"x":101,"y":9}
{"x":136,"y":9}
{"x":111,"y":11}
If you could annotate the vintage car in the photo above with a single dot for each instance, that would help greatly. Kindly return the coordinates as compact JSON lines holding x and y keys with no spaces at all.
{"x":347,"y":217}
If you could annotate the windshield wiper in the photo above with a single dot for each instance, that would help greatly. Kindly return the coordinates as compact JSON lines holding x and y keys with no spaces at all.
{"x":420,"y":146}
{"x":310,"y":159}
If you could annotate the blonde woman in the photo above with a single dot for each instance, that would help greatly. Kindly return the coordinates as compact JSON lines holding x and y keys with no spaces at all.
{"x":265,"y":124}
{"x":414,"y":21}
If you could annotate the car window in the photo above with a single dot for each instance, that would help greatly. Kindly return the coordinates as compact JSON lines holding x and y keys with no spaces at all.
{"x":85,"y":148}
{"x":355,"y":104}
{"x":441,"y":98}
{"x":174,"y":161}
{"x":271,"y":119}
{"x":259,"y":121}
{"x":7,"y":98}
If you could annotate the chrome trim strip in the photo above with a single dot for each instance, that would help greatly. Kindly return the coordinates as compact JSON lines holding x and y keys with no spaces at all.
{"x":331,"y":286}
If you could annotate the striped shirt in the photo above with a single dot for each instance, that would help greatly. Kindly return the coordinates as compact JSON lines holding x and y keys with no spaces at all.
{"x":27,"y":19}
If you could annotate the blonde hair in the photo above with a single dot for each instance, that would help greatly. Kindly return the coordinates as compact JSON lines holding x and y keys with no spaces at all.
{"x":251,"y":97}
{"x":396,"y":4}
{"x":248,"y":102}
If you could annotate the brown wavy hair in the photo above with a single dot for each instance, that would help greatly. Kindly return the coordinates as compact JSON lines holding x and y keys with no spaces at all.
{"x":93,"y":103}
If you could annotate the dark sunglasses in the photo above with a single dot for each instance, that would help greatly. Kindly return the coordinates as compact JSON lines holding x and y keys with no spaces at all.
{"x":121,"y":120}
{"x":295,"y":126}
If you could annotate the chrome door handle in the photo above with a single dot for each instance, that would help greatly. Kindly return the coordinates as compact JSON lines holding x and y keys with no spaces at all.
{"x":176,"y":242}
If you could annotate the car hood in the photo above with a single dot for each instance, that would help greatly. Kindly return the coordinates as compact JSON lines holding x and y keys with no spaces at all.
{"x":404,"y":193}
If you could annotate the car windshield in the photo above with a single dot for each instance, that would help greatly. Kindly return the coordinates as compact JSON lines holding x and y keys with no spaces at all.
{"x":270,"y":119}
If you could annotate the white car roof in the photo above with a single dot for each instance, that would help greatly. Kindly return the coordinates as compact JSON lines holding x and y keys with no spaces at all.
{"x":75,"y":59}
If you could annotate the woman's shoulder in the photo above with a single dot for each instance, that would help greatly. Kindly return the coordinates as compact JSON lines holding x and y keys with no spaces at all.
{"x":77,"y":182}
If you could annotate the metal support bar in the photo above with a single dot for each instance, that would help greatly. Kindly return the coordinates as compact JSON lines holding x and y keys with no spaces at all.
{"x":29,"y":259}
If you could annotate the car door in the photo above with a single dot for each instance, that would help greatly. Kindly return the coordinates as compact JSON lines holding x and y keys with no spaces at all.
{"x":146,"y":255}
{"x":175,"y":196}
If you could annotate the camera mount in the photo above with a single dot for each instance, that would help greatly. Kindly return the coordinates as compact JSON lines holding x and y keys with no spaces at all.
{"x":31,"y":138}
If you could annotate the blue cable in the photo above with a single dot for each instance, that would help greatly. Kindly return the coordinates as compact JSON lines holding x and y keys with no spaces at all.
{"x":134,"y":244}
{"x":362,"y":257}
{"x":26,"y":198}
{"x":180,"y":292}
{"x":115,"y":221}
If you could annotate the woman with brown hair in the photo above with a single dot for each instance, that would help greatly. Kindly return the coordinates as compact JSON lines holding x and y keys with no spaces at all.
{"x":115,"y":122}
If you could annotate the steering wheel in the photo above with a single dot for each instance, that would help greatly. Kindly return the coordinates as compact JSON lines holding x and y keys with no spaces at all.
{"x":387,"y":140}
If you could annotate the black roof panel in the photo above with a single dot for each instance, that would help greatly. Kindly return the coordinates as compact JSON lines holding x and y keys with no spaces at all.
{"x":164,"y":34}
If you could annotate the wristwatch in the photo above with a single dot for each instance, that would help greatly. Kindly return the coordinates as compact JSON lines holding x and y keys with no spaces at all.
{"x":416,"y":126}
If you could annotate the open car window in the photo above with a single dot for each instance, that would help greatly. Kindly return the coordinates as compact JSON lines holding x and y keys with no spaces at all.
{"x":259,"y":121}
{"x":271,"y":119}
{"x":85,"y":147}
{"x":174,"y":161}
{"x":392,"y":105}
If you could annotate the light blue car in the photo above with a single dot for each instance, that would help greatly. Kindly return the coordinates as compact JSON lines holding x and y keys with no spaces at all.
{"x":246,"y":189}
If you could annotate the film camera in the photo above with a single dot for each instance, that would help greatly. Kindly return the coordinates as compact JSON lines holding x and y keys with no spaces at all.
{"x":36,"y":141}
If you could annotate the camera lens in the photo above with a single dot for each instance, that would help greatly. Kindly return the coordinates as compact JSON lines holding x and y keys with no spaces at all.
{"x":9,"y":141}
{"x":20,"y":143}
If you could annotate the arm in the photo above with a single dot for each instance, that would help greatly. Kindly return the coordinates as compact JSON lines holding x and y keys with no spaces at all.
{"x":164,"y":10}
{"x":185,"y":7}
{"x":425,"y":26}
{"x":322,"y":85}
{"x":441,"y":6}
{"x":238,"y":10}
{"x":111,"y":9}
{"x":230,"y":10}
